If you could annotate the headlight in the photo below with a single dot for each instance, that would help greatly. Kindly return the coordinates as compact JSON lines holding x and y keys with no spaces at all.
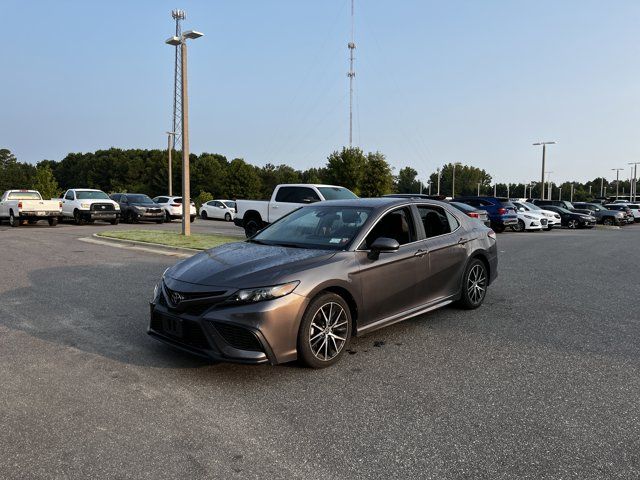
{"x":84,"y":205}
{"x":140,"y":209}
{"x":116,"y":206}
{"x":252,"y":295}
{"x":156,"y":291}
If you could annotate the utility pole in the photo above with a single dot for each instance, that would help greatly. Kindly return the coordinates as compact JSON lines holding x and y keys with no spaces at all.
{"x":495,"y":189}
{"x":429,"y":182}
{"x":560,"y":193}
{"x":507,"y":190}
{"x":478,"y":189}
{"x":170,"y":137}
{"x":571,"y":196}
{"x":544,"y":152}
{"x":602,"y":187}
{"x":351,"y":75}
{"x":438,"y":181}
{"x":186,"y":194}
{"x":549,"y":187}
{"x":617,"y":170}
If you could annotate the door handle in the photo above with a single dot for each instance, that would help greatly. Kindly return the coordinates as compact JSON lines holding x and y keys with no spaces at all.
{"x":462,"y":241}
{"x":420,"y":253}
{"x":274,"y":206}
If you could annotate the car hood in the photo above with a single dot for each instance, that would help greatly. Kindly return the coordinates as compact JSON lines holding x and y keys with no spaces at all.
{"x":144,"y":205}
{"x":243,"y":265}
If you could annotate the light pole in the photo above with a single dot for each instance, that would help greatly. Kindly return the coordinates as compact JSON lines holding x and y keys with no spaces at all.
{"x":438,"y":181}
{"x":571,"y":196}
{"x":186,"y":194}
{"x":544,"y":152}
{"x":171,"y":136}
{"x":549,"y":189}
{"x":453,"y":180}
{"x":634,"y":182}
{"x":617,"y":170}
{"x":478,"y":189}
{"x":602,"y":187}
{"x":429,"y":182}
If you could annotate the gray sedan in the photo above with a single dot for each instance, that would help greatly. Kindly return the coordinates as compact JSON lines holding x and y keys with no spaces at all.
{"x":303,"y":286}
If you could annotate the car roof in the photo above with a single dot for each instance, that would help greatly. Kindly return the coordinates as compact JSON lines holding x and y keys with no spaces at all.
{"x":380,"y":202}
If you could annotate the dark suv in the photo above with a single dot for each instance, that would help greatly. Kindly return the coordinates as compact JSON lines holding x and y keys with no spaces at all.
{"x":603,"y":215}
{"x":135,"y":207}
{"x":502,"y":213}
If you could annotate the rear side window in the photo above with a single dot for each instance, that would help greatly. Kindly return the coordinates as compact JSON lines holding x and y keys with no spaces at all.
{"x":161,"y":199}
{"x":635,"y":207}
{"x":436,"y":221}
{"x":296,"y":195}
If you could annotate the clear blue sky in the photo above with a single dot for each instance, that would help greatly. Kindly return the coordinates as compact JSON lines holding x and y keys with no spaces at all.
{"x":468,"y":81}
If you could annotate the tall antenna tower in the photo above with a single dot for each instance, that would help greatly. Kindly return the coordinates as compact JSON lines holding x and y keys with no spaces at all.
{"x":351,"y":75}
{"x":178,"y":16}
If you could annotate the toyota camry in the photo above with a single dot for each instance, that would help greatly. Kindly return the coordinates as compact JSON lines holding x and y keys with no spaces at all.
{"x":305,"y":285}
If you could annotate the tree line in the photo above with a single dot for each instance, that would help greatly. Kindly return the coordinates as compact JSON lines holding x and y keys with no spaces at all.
{"x":215,"y":176}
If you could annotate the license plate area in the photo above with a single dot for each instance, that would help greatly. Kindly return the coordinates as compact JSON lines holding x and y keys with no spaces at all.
{"x":172,"y":326}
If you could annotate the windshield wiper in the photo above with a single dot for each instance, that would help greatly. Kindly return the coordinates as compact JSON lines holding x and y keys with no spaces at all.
{"x":287,"y":245}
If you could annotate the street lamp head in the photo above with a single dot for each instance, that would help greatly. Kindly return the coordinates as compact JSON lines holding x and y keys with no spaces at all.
{"x":192,"y":34}
{"x":178,"y":14}
{"x":175,"y":41}
{"x":170,"y":133}
{"x":544,"y":143}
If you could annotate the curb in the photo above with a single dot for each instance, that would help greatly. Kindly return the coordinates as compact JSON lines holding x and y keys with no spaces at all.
{"x":138,"y":243}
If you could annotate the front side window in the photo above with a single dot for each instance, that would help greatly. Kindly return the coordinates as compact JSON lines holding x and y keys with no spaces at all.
{"x":321,"y":227}
{"x":397,"y":224}
{"x":296,"y":195}
{"x":435,"y":221}
{"x":69,"y":195}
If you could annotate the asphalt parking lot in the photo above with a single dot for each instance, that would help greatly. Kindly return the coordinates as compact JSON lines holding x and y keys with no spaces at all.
{"x":541,"y":382}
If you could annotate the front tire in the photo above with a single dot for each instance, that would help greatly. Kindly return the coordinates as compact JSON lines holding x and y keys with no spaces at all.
{"x":325,"y":331}
{"x":167,"y":217}
{"x":572,"y":224}
{"x":227,"y":217}
{"x":474,"y":285}
{"x":115,"y":221}
{"x":519,"y":227}
{"x":78,"y":218}
{"x":607,"y":221}
{"x":192,"y":218}
{"x":53,"y":221}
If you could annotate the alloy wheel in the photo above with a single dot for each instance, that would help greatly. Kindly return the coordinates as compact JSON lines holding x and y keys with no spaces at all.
{"x":476,"y":284}
{"x":328,"y":331}
{"x":573,"y":224}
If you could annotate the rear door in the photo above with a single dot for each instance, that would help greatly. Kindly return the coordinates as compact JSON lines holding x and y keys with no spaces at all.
{"x":446,"y":246}
{"x":289,"y":198}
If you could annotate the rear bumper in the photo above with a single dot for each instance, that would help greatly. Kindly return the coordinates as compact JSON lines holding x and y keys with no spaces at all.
{"x":40,"y":214}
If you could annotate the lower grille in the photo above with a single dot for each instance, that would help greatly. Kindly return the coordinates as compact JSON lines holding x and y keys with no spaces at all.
{"x":192,"y":333}
{"x":238,"y":337}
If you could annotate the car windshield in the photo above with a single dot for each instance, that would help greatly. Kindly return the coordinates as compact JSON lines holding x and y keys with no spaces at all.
{"x":321,"y":227}
{"x":336,"y":193}
{"x":24,"y":196}
{"x":532,"y":206}
{"x":230,"y":204}
{"x":91,"y":195}
{"x":138,"y":198}
{"x":561,"y":210}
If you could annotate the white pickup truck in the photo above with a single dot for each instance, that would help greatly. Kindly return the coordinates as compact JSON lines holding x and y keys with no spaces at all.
{"x":87,"y":205}
{"x":254,"y":215}
{"x":19,"y":206}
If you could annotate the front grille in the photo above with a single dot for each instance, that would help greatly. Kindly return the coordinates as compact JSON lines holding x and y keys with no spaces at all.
{"x":238,"y":337}
{"x":543,"y":221}
{"x":102,"y":207}
{"x":154,"y":210}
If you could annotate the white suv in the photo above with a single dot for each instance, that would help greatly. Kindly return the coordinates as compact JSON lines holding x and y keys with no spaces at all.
{"x":553,"y":219}
{"x":172,"y":207}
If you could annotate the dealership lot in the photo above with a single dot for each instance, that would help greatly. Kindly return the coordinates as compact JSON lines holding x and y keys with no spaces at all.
{"x":540,"y":381}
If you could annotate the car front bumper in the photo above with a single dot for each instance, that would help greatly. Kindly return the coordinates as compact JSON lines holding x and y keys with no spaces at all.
{"x":96,"y":215}
{"x":262,"y":332}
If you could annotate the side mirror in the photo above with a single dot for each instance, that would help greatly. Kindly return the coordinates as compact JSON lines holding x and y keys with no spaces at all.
{"x":521,"y":209}
{"x":381,"y":245}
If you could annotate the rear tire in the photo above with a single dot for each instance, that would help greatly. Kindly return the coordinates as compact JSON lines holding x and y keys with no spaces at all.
{"x":251,"y":227}
{"x":78,"y":219}
{"x":53,"y":221}
{"x":13,"y":221}
{"x":324,"y":332}
{"x":192,"y":218}
{"x":608,"y":221}
{"x":203,"y":215}
{"x":167,"y":217}
{"x":474,"y":285}
{"x":572,"y":224}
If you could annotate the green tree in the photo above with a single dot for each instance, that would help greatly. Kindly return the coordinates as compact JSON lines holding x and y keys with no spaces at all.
{"x":271,"y":176}
{"x":45,"y":182}
{"x":14,"y":174}
{"x":467,"y":179}
{"x":406,"y":181}
{"x":346,"y":168}
{"x":243,"y":180}
{"x":377,"y":179}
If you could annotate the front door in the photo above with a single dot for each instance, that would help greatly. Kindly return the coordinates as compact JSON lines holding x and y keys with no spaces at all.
{"x":389,"y":281}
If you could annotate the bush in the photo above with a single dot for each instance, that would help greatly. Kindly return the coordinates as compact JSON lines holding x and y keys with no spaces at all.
{"x":204,"y":197}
